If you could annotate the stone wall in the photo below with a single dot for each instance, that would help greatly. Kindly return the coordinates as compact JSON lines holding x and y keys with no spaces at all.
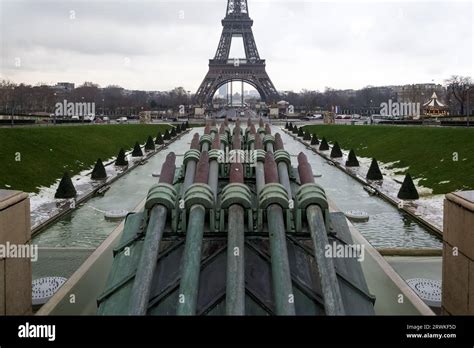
{"x":15,"y":272}
{"x":458,"y":254}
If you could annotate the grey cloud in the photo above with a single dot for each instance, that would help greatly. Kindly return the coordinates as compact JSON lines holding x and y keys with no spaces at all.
{"x":307,"y":44}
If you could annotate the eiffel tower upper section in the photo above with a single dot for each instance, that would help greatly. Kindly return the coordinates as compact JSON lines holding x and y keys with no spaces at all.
{"x":223,"y":69}
{"x":237,"y":23}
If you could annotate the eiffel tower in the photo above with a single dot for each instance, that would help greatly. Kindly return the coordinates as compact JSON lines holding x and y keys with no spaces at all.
{"x":222,"y":70}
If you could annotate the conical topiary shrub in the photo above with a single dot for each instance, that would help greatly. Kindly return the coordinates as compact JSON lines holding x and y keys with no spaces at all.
{"x":314,"y":140}
{"x":178,"y":129}
{"x":324,"y":146}
{"x":300,"y":132}
{"x":183,"y":127}
{"x":295,"y":130}
{"x":121,"y":160}
{"x":286,"y":125}
{"x":149,"y":145}
{"x":159,"y":139}
{"x":98,"y":173}
{"x":173,"y":132}
{"x":336,"y":151}
{"x":352,"y":159}
{"x":167,"y":135}
{"x":137,"y":150}
{"x":66,"y":188}
{"x":408,"y":189}
{"x":374,"y":172}
{"x":306,"y":136}
{"x":187,"y":125}
{"x":290,"y":126}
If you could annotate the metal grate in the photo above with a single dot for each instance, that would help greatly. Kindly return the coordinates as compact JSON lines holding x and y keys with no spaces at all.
{"x":44,"y":288}
{"x":428,"y":290}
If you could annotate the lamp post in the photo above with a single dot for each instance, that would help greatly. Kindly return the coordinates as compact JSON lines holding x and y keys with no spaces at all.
{"x":13,"y":104}
{"x":468,"y":111}
{"x":54,"y":117}
{"x":83,"y":116}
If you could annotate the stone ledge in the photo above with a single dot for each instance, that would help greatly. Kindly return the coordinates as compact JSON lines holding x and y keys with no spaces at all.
{"x":10,"y":197}
{"x":463,"y":198}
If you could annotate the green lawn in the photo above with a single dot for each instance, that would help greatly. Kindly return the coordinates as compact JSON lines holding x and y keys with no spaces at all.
{"x":429,"y":152}
{"x":46,"y":152}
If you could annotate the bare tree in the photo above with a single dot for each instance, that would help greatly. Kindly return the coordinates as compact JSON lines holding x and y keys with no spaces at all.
{"x":457,"y":87}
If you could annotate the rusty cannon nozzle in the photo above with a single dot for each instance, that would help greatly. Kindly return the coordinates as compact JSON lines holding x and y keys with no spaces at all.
{"x":258,"y":143}
{"x":216,"y":143}
{"x":268,"y":130}
{"x":278,"y":142}
{"x":236,"y":174}
{"x":236,"y":130}
{"x":207,"y":129}
{"x":249,"y":122}
{"x":237,"y":122}
{"x":168,"y":168}
{"x":195,"y":142}
{"x":202,"y":169}
{"x":222,"y":128}
{"x":253,"y":131}
{"x":236,"y":143}
{"x":304,"y":169}
{"x":271,"y":170}
{"x":260,"y":123}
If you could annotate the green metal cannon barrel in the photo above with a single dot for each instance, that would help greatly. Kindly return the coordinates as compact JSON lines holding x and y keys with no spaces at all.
{"x":189,"y":285}
{"x":330,"y":286}
{"x":221,"y":237}
{"x":161,"y":198}
{"x":272,"y":200}
{"x":197,"y":199}
{"x":239,"y":194}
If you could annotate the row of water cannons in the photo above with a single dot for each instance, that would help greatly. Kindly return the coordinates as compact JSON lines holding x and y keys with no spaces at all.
{"x":267,"y":197}
{"x":407,"y":191}
{"x":66,"y":187}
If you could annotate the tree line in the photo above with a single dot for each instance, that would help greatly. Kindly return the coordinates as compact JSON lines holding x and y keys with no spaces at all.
{"x":23,"y":99}
{"x":115,"y":100}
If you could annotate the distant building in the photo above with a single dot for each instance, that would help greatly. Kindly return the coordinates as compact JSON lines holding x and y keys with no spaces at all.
{"x":417,"y":93}
{"x":127,"y":92}
{"x":252,"y":93}
{"x":223,"y":90}
{"x":64,"y":86}
{"x":348,"y":93}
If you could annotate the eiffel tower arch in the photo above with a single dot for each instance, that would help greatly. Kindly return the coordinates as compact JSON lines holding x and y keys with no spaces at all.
{"x":222,"y":69}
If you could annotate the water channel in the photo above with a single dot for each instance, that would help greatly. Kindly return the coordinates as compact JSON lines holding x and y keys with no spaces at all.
{"x":75,"y":236}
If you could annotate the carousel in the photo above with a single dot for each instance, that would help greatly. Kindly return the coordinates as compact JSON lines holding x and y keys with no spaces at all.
{"x":434,"y":108}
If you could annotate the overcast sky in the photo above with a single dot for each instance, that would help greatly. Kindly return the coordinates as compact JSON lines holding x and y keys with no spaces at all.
{"x":147,"y":44}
